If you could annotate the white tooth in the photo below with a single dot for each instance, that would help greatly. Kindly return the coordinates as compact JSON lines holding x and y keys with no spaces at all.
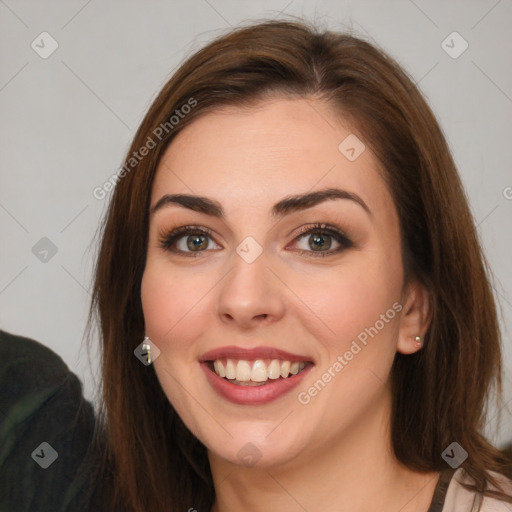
{"x":274,"y":369}
{"x":285,"y":369}
{"x":294,"y":368}
{"x":259,"y":371}
{"x":219,"y":368}
{"x":243,"y":371}
{"x":230,"y":369}
{"x":301,"y":365}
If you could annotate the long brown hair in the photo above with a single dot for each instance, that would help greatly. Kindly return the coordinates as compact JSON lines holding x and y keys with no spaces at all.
{"x":151,"y":461}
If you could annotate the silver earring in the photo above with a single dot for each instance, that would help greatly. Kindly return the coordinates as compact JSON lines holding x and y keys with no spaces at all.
{"x":146,"y":347}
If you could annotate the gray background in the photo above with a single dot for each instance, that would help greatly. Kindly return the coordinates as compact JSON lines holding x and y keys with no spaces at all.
{"x":67,"y":122}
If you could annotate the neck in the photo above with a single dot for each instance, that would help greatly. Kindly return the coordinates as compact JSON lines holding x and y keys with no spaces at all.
{"x":355,"y":472}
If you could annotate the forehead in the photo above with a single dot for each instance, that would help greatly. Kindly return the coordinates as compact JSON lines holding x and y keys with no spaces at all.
{"x":257,"y":155}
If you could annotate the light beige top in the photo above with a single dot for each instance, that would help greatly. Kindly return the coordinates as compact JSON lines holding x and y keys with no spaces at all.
{"x":451,"y":496}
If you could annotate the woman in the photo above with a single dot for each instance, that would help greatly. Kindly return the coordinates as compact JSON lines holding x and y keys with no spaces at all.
{"x":290,"y":255}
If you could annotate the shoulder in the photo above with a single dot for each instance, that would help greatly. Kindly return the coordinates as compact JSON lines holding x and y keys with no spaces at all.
{"x":32,"y":375}
{"x":460,"y":498}
{"x":493,"y":504}
{"x":21,"y":356}
{"x":46,"y":427}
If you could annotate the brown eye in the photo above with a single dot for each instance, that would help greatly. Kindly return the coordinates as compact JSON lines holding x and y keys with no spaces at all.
{"x":196,"y":242}
{"x":320,"y":240}
{"x":187,"y":240}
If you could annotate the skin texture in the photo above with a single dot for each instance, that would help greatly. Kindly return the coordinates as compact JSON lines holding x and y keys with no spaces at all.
{"x":334,"y":452}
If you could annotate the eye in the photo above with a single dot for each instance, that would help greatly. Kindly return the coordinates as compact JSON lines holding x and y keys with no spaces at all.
{"x":192,"y":240}
{"x":321,"y":238}
{"x":187,"y":240}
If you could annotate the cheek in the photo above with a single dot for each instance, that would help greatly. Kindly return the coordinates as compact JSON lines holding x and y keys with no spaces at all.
{"x":174,"y":306}
{"x":177,"y":312}
{"x":353,"y":300}
{"x":358,"y":312}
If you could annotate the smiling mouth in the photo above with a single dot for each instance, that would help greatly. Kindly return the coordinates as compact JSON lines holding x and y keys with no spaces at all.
{"x":259,"y":372}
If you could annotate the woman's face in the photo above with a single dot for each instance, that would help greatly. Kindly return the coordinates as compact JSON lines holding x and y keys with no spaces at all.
{"x":262,"y":277}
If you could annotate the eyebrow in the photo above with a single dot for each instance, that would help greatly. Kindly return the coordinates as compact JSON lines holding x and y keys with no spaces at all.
{"x":284,"y":207}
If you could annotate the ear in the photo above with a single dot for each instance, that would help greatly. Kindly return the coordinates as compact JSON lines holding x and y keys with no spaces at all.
{"x":415,"y":317}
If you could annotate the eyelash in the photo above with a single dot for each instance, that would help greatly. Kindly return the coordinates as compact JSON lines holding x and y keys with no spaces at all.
{"x":168,"y":239}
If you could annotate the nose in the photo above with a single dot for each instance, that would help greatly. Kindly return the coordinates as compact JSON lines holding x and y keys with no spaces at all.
{"x":250,"y":294}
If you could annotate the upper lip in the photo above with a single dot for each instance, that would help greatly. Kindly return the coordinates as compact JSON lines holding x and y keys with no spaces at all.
{"x":234,"y":352}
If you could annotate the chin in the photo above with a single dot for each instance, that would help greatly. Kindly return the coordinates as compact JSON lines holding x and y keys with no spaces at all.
{"x":255,"y":447}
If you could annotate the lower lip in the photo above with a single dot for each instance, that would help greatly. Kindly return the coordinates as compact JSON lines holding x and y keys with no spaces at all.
{"x":253,"y":395}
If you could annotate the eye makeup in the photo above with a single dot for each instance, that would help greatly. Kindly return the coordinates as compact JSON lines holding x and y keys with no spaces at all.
{"x":199,"y":237}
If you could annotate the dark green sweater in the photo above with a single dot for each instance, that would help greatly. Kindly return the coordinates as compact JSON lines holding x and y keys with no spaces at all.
{"x":41,"y":401}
